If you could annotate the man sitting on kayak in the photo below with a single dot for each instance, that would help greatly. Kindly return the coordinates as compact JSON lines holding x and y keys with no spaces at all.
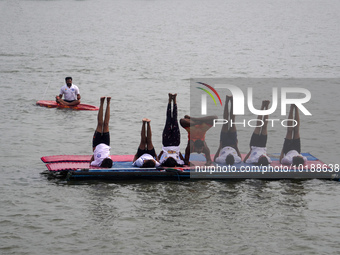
{"x":71,"y":92}
{"x":101,"y":138}
{"x":146,"y":156}
{"x":197,"y":128}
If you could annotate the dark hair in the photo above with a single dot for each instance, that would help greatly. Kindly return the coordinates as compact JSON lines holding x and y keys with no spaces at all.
{"x":297,"y":160}
{"x":107,"y":163}
{"x":68,"y":78}
{"x":230,"y":160}
{"x":198,"y":143}
{"x":263,"y":161}
{"x":148,"y":164}
{"x":170,"y":162}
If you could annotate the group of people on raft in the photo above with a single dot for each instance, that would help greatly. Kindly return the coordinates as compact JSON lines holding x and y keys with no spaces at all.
{"x":227,"y":153}
{"x":170,"y":156}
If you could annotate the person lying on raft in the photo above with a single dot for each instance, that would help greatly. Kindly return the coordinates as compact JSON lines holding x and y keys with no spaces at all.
{"x":71,"y":92}
{"x":170,"y":155}
{"x":101,"y":138}
{"x":258,"y":151}
{"x":290,"y":154}
{"x":146,"y":156}
{"x":228,"y":152}
{"x":197,"y":128}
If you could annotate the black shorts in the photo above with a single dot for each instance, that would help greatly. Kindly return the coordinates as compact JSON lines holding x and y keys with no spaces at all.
{"x":228,"y":139}
{"x":291,"y":144}
{"x":101,"y":138}
{"x":69,"y":101}
{"x":258,"y":140}
{"x":141,"y":152}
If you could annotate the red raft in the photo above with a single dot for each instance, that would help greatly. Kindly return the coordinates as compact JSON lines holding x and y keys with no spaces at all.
{"x":79,"y":107}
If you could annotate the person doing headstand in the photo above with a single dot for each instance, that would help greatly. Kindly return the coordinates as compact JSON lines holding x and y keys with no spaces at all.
{"x":101,"y":138}
{"x":146,"y":156}
{"x":228,"y":152}
{"x":290,"y":154}
{"x":258,"y":151}
{"x":170,"y":155}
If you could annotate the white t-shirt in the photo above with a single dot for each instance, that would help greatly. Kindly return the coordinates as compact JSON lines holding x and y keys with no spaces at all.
{"x":256,"y":153}
{"x":288,"y":158}
{"x":71,"y":93}
{"x":173,"y":152}
{"x":225,"y":152}
{"x":140,"y":161}
{"x":101,"y":152}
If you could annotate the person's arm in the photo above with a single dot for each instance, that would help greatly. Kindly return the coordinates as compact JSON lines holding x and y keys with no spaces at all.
{"x":160,"y":154}
{"x":157,"y":158}
{"x":134,"y":158}
{"x":78,"y":96}
{"x":187,"y":154}
{"x":281,"y":156}
{"x":181,"y":156}
{"x":92,"y":159}
{"x":238,"y":152}
{"x":217,"y":153}
{"x":61,"y":92}
{"x":207,"y":155}
{"x":247,"y":156}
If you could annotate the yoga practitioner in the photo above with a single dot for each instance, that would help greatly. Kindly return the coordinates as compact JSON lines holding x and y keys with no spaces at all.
{"x":71,"y":92}
{"x":170,"y":155}
{"x":228,"y":152}
{"x":146,"y":156}
{"x":101,"y":138}
{"x":258,"y":151}
{"x":290,"y":154}
{"x":197,"y":128}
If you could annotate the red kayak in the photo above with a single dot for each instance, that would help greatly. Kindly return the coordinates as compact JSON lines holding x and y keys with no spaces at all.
{"x":54,"y":104}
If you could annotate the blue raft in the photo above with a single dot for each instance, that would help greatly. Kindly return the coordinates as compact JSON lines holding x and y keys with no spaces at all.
{"x":123,"y":170}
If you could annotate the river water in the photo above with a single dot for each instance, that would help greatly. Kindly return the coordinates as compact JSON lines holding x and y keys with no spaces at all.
{"x":137,"y":51}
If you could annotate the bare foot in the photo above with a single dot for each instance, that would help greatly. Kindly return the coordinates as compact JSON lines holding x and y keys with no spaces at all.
{"x":174,"y":98}
{"x":146,"y":120}
{"x":102,"y":99}
{"x":266,"y":104}
{"x":108,"y":99}
{"x":186,"y":117}
{"x":60,"y":101}
{"x":170,"y":97}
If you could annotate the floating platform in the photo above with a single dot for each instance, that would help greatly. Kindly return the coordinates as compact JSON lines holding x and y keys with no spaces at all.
{"x":79,"y":107}
{"x":77,"y":167}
